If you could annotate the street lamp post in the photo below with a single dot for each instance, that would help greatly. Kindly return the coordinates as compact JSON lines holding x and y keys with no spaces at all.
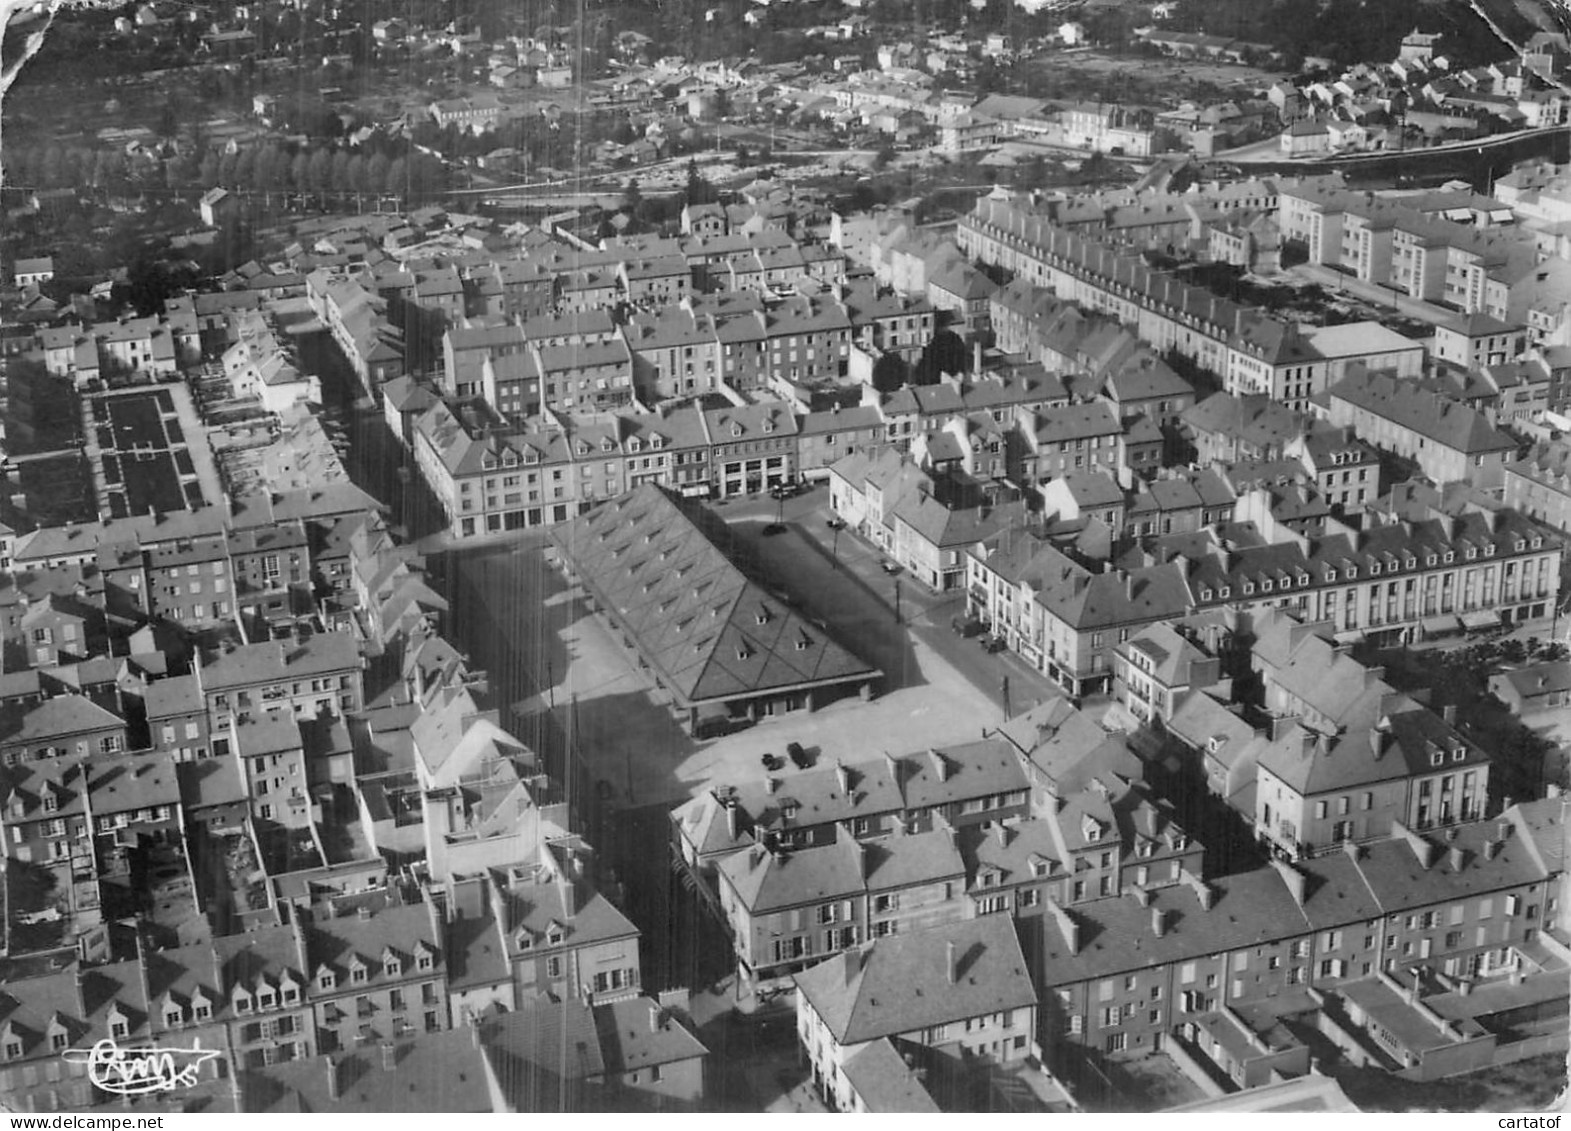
{"x":834,"y":548}
{"x":897,"y":600}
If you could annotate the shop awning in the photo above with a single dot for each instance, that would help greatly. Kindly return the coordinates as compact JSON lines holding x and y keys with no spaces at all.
{"x":694,"y":490}
{"x":1349,"y":638}
{"x":1439,"y":626}
{"x":1484,"y":618}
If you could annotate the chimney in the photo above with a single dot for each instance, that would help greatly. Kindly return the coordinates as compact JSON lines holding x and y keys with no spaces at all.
{"x":1491,"y":849}
{"x":844,"y":776}
{"x":949,"y":962}
{"x":1001,"y":831}
{"x":389,"y":1056}
{"x":656,"y":1018}
{"x":940,"y":764}
{"x":1456,"y":857}
{"x":335,"y":1088}
{"x":1158,"y":922}
{"x":1448,"y":713}
{"x":733,"y":822}
{"x":1293,"y":878}
{"x":771,"y":784}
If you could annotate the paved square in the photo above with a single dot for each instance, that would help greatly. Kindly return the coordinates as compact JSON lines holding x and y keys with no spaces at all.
{"x":543,"y":648}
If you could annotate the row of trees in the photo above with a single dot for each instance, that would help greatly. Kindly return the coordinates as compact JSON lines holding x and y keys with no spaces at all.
{"x":270,"y":167}
{"x":274,"y":168}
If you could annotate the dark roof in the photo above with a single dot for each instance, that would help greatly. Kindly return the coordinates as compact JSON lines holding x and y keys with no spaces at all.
{"x":903,"y":983}
{"x":710,"y":632}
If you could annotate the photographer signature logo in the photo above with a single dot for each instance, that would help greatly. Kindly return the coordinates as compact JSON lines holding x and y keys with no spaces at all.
{"x":140,"y":1072}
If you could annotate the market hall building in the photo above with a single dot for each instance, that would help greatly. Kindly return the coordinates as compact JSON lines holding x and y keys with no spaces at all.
{"x":661,"y":575}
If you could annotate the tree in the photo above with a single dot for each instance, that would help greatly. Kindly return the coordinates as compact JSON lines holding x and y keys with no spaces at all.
{"x":699,"y":190}
{"x":374,"y":177}
{"x":890,"y":372}
{"x":319,"y":171}
{"x":168,"y":121}
{"x":631,"y":195}
{"x":395,"y":182}
{"x":342,"y":179}
{"x":945,"y":354}
{"x":743,"y":157}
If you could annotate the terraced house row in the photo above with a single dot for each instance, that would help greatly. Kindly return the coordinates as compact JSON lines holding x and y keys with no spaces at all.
{"x":492,"y":474}
{"x":1389,"y":581}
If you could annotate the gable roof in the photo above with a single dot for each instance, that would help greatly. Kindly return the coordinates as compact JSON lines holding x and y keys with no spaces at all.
{"x":708,"y":630}
{"x":902,"y":983}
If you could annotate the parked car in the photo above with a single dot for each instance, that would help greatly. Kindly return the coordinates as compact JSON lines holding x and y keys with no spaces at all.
{"x":991,"y":644}
{"x":835,"y":523}
{"x":967,"y":626}
{"x":888,"y":567}
{"x":788,"y":490}
{"x":772,"y":761}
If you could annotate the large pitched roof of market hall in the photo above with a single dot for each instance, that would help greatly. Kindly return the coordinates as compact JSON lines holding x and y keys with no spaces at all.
{"x":710,"y":632}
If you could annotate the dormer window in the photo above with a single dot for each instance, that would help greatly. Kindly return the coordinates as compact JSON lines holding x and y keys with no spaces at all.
{"x":13,"y":1049}
{"x":554,"y":936}
{"x":1352,"y":572}
{"x":358,"y":973}
{"x":392,"y":965}
{"x":1330,"y":575}
{"x":201,"y":1007}
{"x":736,"y":430}
{"x":1459,"y":754}
{"x":1472,"y":552}
{"x":289,"y":990}
{"x":51,"y":802}
{"x":1265,"y":585}
{"x":606,"y":445}
{"x":241,"y":1000}
{"x":634,"y":444}
{"x":1519,"y":545}
{"x":1205,"y":594}
{"x":1429,"y":559}
{"x":525,"y":940}
{"x":769,"y":426}
{"x":1249,"y":588}
{"x":266,"y":998}
{"x":656,"y":441}
{"x":1438,"y":758}
{"x":1409,"y":562}
{"x":1374,"y":569}
{"x":326,"y":979}
{"x":424,"y":958}
{"x":1489,"y":550}
{"x":119,"y":1024}
{"x":1450,"y":556}
{"x":174,"y":1016}
{"x":1226,"y":592}
{"x":1536,"y":542}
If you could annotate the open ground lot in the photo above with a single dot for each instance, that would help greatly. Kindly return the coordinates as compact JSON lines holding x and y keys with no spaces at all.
{"x":1172,"y":74}
{"x":147,"y":453}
